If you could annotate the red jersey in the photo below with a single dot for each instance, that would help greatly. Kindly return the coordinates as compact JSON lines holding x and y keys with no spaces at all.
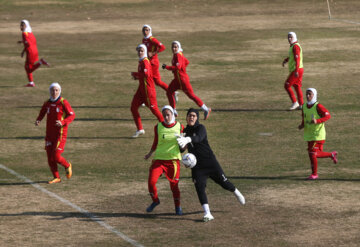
{"x":155,"y":142}
{"x":30,"y":46}
{"x":153,"y":45}
{"x":145,"y":76}
{"x":58,"y":110}
{"x":296,"y":52}
{"x":179,"y":64}
{"x":321,"y":110}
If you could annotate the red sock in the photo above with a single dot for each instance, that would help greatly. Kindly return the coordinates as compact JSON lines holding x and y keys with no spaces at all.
{"x":314,"y":163}
{"x":321,"y":154}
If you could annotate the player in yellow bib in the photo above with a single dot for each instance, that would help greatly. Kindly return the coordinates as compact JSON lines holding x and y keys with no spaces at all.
{"x":314,"y":116}
{"x":166,"y":159}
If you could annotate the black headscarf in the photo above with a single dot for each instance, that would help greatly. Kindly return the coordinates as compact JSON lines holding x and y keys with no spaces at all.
{"x":197,"y":114}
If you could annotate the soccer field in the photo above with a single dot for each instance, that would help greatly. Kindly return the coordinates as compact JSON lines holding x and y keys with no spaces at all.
{"x":235,"y":49}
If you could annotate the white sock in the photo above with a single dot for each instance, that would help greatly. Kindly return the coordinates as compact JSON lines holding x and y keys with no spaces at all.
{"x":204,"y":107}
{"x":206,"y":208}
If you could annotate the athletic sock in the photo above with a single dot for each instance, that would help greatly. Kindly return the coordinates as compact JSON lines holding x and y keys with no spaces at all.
{"x":204,"y":107}
{"x":206,"y":208}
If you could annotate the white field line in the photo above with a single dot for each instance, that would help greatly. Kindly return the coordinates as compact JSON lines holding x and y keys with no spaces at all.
{"x":74,"y":206}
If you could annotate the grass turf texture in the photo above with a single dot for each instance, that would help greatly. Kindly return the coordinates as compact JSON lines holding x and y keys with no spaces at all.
{"x":235,"y":50}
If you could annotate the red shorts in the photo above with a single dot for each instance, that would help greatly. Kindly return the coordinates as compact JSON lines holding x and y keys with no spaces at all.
{"x":171,"y":168}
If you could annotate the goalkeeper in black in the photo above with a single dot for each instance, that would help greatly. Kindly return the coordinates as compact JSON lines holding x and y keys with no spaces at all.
{"x":196,"y":142}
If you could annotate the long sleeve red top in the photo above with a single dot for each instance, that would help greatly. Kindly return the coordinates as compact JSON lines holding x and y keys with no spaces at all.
{"x":30,"y":46}
{"x":144,"y":75}
{"x":321,"y":110}
{"x":179,"y":64}
{"x":153,"y":45}
{"x":58,"y":110}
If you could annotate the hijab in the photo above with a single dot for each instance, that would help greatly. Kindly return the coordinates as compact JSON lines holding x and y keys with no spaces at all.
{"x":150,"y":33}
{"x":294,"y":40}
{"x":145,"y":51}
{"x":197,"y":120}
{"x":314,"y":99}
{"x":28,"y":27}
{"x":54,"y":84}
{"x":179,"y":45}
{"x":172,"y":111}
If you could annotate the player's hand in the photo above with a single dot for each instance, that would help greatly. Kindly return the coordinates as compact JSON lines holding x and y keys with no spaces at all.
{"x":58,"y":123}
{"x":285,"y":61}
{"x":133,"y":76}
{"x":313,"y":121}
{"x":19,"y":42}
{"x":183,"y":141}
{"x":22,"y":54}
{"x":37,"y":123}
{"x":163,"y":66}
{"x":301,"y":126}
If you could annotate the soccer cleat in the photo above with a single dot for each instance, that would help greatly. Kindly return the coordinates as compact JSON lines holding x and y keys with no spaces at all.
{"x":68,"y":171}
{"x":30,"y":85}
{"x":294,"y":106}
{"x":55,"y":181}
{"x":239,"y":196}
{"x":138,"y":132}
{"x":207,"y":114}
{"x":176,"y":95}
{"x":178,"y":210}
{"x":44,"y":62}
{"x":313,"y":177}
{"x":208,"y":217}
{"x":334,"y":157}
{"x":152,"y":206}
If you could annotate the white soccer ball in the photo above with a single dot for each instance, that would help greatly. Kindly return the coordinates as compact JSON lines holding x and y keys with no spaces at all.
{"x":189,"y":160}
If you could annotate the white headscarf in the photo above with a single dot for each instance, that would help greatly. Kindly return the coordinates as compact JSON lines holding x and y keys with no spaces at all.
{"x":314,"y":99}
{"x":179,"y":45}
{"x":150,"y":33}
{"x":294,"y":37}
{"x":54,"y":84}
{"x":172,"y":110}
{"x":145,"y":52}
{"x":28,"y":27}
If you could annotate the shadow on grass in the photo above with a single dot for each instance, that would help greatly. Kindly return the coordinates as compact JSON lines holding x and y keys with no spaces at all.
{"x":296,"y":178}
{"x":100,"y":216}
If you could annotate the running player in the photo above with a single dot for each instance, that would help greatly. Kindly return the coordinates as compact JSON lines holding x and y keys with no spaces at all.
{"x":181,"y":80}
{"x":145,"y":93}
{"x":30,"y":48}
{"x":314,"y":116}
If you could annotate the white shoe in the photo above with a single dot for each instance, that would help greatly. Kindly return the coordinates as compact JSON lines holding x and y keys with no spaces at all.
{"x":239,"y":196}
{"x":294,"y":106}
{"x":176,"y":95}
{"x":208,"y":217}
{"x":143,"y":105}
{"x":138,"y":132}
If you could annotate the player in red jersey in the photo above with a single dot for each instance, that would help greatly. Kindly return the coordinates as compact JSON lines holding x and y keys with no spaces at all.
{"x":30,"y":48}
{"x":181,"y":79}
{"x":167,"y":158}
{"x":145,"y":93}
{"x":59,"y":115}
{"x":154,"y":47}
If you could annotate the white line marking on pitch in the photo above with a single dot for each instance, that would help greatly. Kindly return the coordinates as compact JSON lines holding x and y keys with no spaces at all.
{"x":81,"y":210}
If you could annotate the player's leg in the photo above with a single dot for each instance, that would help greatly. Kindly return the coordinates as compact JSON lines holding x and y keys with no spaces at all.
{"x":172,"y":172}
{"x":297,"y":87}
{"x":219,"y":177}
{"x":174,"y":85}
{"x":288,"y":87}
{"x":155,"y":172}
{"x":188,"y":90}
{"x":312,"y":149}
{"x":321,"y":154}
{"x":154,"y":106}
{"x":53,"y":165}
{"x":157,"y":77}
{"x":61,"y":160}
{"x":135,"y":104}
{"x":29,"y":75}
{"x":199,"y":177}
